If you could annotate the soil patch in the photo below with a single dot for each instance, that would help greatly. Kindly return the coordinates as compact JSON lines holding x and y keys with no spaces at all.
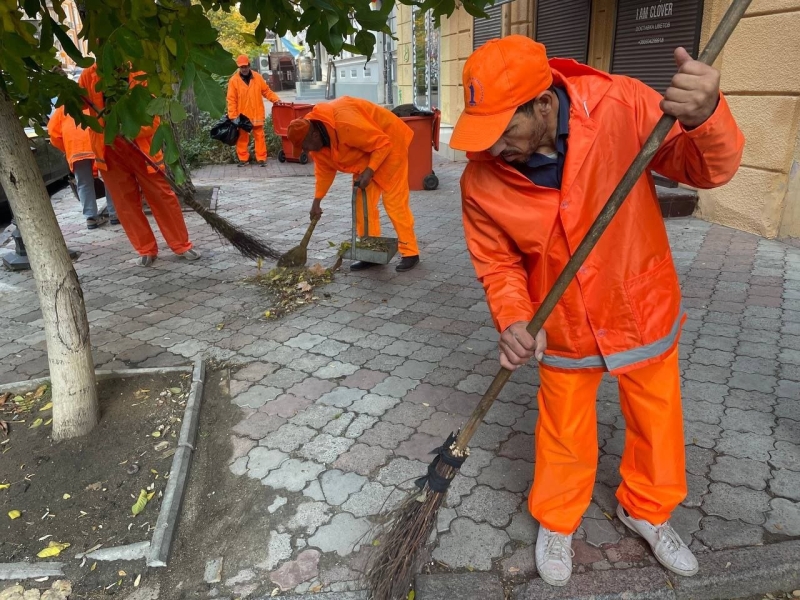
{"x":80,"y":492}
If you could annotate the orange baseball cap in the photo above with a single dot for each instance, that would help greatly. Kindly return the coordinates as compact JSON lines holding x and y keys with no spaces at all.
{"x":498,"y":77}
{"x":242,"y":60}
{"x":297,"y":132}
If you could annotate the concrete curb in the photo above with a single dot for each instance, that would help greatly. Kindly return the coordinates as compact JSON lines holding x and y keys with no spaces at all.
{"x":179,"y":475}
{"x":20,"y":387}
{"x":129,"y":552}
{"x":22,"y":570}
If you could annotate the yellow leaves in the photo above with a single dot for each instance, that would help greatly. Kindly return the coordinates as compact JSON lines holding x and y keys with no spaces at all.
{"x":140,"y":504}
{"x":220,"y":326}
{"x":14,"y":514}
{"x":40,"y":391}
{"x":122,"y":574}
{"x":315,"y":588}
{"x":376,"y":542}
{"x":137,"y":581}
{"x":304,"y":286}
{"x":48,"y":422}
{"x":4,"y":486}
{"x":175,"y":390}
{"x":317,"y":270}
{"x":156,"y":434}
{"x":267,"y":313}
{"x":46,"y":407}
{"x":53,"y":549}
{"x":36,"y":423}
{"x":171,"y":45}
{"x":66,"y":496}
{"x":411,"y":595}
{"x":93,"y":567}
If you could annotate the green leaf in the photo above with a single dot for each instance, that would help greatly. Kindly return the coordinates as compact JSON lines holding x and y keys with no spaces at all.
{"x":214,"y":59}
{"x":128,"y":42}
{"x":188,"y":77}
{"x":158,"y":106}
{"x":69,"y":47}
{"x":198,"y":29}
{"x":210,"y":96}
{"x":176,"y":112}
{"x":171,"y":152}
{"x":111,"y":128}
{"x":143,"y":8}
{"x":157,"y":143}
{"x":171,"y":45}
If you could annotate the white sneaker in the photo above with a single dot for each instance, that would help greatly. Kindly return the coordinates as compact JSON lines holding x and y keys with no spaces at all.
{"x":191,"y":254}
{"x":665,"y":542}
{"x":554,"y":556}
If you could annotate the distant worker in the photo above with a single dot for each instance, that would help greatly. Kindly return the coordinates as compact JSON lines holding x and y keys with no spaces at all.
{"x":356,"y":136}
{"x":128,"y":175}
{"x":73,"y":140}
{"x":246,"y":93}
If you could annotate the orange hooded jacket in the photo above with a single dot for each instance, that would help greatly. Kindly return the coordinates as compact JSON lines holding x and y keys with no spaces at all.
{"x":88,"y":81}
{"x":69,"y":137}
{"x":623,"y":311}
{"x":363,"y":135}
{"x":248,"y":99}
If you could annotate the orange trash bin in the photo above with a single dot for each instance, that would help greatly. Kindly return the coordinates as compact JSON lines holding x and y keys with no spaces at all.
{"x":420,"y":154}
{"x":282,"y":115}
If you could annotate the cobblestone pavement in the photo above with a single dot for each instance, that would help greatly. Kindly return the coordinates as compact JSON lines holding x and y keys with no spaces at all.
{"x":340,"y":404}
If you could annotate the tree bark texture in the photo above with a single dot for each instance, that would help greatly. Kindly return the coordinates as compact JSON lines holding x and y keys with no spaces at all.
{"x":75,"y":407}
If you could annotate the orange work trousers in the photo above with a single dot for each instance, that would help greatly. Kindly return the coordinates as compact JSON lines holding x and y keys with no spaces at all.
{"x":244,"y":140}
{"x":653,"y":461}
{"x":398,"y":209}
{"x":127,"y":178}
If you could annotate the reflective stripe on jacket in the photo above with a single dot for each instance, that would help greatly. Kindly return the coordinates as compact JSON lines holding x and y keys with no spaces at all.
{"x":88,"y":81}
{"x":362,"y":135}
{"x":623,"y":310}
{"x":69,"y":137}
{"x":249,"y":99}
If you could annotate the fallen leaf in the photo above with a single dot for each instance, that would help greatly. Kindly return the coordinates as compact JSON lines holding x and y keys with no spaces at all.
{"x":304,"y":286}
{"x":175,"y":390}
{"x":317,"y":270}
{"x":411,"y":595}
{"x":40,"y":391}
{"x":275,"y":592}
{"x":4,"y":427}
{"x":36,"y":423}
{"x":48,"y":422}
{"x":66,"y":496}
{"x":316,"y":588}
{"x":220,"y":326}
{"x":669,"y":584}
{"x":376,"y":542}
{"x":137,"y":581}
{"x":122,"y":574}
{"x":513,"y":569}
{"x":4,"y":398}
{"x":46,"y":407}
{"x":14,"y":514}
{"x":156,"y":434}
{"x":53,"y":549}
{"x":470,"y":568}
{"x":94,"y":487}
{"x":161,"y":446}
{"x":140,"y":503}
{"x":93,"y":567}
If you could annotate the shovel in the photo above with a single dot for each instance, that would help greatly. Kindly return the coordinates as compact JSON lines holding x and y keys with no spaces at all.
{"x":297,"y":256}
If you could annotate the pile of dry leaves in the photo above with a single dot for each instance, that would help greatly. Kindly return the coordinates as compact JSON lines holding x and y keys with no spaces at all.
{"x":34,"y":408}
{"x":292,"y":288}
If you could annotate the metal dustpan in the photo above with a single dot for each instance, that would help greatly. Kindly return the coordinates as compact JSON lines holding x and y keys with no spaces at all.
{"x":369,"y":248}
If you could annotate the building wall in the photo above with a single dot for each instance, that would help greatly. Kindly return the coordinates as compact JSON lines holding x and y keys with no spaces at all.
{"x":456,"y":46}
{"x":405,"y":92}
{"x":761,"y":79}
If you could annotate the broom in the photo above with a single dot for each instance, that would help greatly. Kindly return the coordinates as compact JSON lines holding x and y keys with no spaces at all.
{"x":406,"y":532}
{"x":248,"y":245}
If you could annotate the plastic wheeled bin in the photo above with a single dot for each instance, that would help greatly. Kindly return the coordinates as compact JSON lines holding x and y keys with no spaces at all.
{"x":282,"y":115}
{"x":425,"y":125}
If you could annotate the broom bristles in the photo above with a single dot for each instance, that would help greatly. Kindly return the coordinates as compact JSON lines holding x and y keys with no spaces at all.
{"x":248,"y":245}
{"x":402,"y":542}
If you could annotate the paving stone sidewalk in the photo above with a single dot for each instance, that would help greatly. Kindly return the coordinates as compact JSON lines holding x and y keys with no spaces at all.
{"x":339,"y":405}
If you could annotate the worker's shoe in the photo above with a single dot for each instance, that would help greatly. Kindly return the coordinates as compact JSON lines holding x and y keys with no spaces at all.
{"x":114,"y":221}
{"x":191,"y":254}
{"x":262,"y":163}
{"x":407,"y":263}
{"x":95,"y":222}
{"x":665,"y":542}
{"x":361,"y":265}
{"x":243,"y":163}
{"x":146,"y":260}
{"x":554,"y":556}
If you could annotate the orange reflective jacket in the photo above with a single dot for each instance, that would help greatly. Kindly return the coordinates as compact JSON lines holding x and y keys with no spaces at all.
{"x":69,"y":137}
{"x":623,"y":310}
{"x":88,"y":81}
{"x":249,"y":99}
{"x":362,"y":135}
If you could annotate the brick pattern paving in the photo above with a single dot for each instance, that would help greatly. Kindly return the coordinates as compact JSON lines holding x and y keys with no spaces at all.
{"x":340,"y":404}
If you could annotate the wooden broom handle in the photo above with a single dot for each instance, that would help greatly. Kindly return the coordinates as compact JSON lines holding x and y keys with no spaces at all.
{"x":309,"y":231}
{"x":646,"y":154}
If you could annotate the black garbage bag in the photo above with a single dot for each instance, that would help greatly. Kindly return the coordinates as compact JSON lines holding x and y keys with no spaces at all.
{"x":225,"y":131}
{"x":242,"y":122}
{"x":411,"y":110}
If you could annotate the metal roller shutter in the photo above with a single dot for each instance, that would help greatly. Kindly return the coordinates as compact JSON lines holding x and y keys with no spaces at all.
{"x":648,"y":32}
{"x":489,"y":28}
{"x":563,"y":27}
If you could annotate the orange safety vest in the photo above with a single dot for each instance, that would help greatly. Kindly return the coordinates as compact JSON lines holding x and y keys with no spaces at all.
{"x":362,"y":135}
{"x":69,"y":137}
{"x":623,"y":311}
{"x":249,"y":99}
{"x":88,"y":81}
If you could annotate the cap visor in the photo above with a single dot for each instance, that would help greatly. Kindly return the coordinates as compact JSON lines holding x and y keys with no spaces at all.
{"x":476,"y":133}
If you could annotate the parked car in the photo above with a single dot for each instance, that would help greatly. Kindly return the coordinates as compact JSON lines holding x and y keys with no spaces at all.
{"x":51,"y":162}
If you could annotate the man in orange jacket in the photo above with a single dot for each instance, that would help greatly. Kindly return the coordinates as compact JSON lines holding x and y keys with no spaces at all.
{"x":246,"y":93}
{"x":548,"y":143}
{"x":128,"y":175}
{"x":73,"y":141}
{"x":359,"y":137}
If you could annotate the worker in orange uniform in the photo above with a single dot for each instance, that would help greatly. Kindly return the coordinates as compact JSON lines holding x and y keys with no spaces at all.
{"x":359,"y":137}
{"x":128,"y":175}
{"x":73,"y":140}
{"x":246,"y":93}
{"x":548,"y":142}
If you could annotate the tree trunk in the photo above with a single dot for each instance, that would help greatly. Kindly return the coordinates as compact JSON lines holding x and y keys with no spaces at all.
{"x":69,"y":353}
{"x":186,"y":129}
